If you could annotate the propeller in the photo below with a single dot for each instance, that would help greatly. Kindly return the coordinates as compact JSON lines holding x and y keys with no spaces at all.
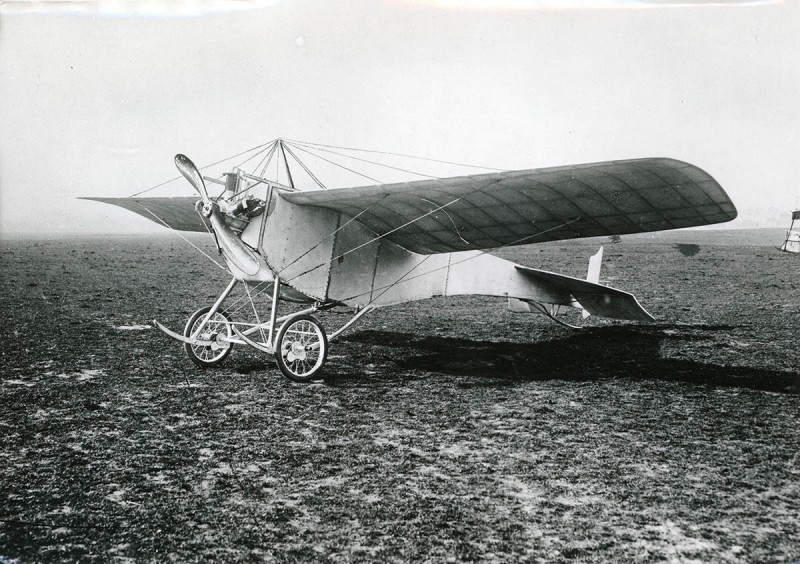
{"x":190,"y":172}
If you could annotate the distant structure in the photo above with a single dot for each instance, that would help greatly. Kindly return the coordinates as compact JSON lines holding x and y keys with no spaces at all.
{"x":792,"y":242}
{"x":687,"y":249}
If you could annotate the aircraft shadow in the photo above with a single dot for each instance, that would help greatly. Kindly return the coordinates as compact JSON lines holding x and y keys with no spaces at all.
{"x":588,"y":355}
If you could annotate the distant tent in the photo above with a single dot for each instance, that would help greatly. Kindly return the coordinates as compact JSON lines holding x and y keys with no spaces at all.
{"x":792,"y":242}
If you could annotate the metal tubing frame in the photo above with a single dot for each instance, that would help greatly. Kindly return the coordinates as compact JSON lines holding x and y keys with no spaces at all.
{"x":253,"y":328}
{"x":347,"y":325}
{"x":276,"y":296}
{"x":284,"y":318}
{"x":214,"y":308}
{"x":280,"y":319}
{"x":550,"y":312}
{"x":271,"y":325}
{"x":260,"y":326}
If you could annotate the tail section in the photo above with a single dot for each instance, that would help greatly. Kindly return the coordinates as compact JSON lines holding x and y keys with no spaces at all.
{"x":593,"y":298}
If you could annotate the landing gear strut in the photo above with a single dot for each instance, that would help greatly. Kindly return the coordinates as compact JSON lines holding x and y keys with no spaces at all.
{"x":298,"y":341}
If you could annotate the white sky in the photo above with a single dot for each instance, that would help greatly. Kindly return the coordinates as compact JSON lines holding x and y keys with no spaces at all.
{"x":96,"y":104}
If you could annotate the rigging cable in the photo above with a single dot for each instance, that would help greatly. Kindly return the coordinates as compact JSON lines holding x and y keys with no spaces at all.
{"x":485,"y":251}
{"x":247,"y":160}
{"x":373,"y":240}
{"x":266,"y":160}
{"x":201,"y":168}
{"x":299,"y":148}
{"x":478,"y":189}
{"x":305,"y":168}
{"x":398,"y":281}
{"x":255,"y":312}
{"x":184,"y":238}
{"x":365,"y":161}
{"x":399,"y":155}
{"x":351,"y":220}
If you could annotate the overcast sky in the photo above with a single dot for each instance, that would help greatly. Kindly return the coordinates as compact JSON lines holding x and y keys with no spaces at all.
{"x":96,"y":103}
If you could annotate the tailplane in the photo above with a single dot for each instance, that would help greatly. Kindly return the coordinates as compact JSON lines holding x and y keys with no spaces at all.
{"x":588,"y":295}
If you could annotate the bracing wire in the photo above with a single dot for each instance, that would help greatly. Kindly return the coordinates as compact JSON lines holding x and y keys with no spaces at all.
{"x":182,"y":237}
{"x":255,"y":313}
{"x":268,"y":159}
{"x":397,"y":155}
{"x":201,"y":168}
{"x":240,"y":302}
{"x":348,"y":222}
{"x":333,"y":163}
{"x":247,"y":160}
{"x":354,"y":249}
{"x":443,"y":206}
{"x":387,"y":287}
{"x":305,"y":168}
{"x":398,"y":281}
{"x":364,"y":161}
{"x":267,"y":155}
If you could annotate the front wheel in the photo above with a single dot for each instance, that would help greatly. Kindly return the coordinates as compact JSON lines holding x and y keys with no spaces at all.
{"x":217,"y":328}
{"x":301,"y":348}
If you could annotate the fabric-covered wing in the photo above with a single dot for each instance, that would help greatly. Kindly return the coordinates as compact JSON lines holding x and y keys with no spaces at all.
{"x":532,"y":206}
{"x":176,"y":213}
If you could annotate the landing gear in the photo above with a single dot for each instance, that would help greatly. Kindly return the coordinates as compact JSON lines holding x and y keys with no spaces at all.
{"x":297,"y":341}
{"x":217,"y":332}
{"x":301,"y":348}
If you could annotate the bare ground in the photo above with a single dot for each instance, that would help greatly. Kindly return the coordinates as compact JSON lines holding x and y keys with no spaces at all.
{"x":445,"y":430}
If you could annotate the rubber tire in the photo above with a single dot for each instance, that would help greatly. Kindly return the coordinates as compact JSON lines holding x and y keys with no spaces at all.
{"x":314,"y":375}
{"x":188,"y":348}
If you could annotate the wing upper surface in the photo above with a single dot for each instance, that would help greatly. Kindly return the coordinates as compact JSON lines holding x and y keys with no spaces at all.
{"x":177,"y":213}
{"x":532,"y":206}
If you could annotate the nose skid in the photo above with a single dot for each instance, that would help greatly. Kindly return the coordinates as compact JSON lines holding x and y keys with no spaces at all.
{"x":188,"y":340}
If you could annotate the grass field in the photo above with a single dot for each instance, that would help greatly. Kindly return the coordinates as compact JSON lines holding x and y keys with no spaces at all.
{"x":448,"y":430}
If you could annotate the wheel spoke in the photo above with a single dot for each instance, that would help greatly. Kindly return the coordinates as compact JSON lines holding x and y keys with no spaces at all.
{"x":217,"y":325}
{"x":302,"y":339}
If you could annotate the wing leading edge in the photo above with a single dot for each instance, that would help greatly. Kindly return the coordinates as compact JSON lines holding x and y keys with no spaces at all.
{"x":533,"y":206}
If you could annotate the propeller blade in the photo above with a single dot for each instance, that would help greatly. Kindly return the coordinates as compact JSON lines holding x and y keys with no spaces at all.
{"x":190,"y":172}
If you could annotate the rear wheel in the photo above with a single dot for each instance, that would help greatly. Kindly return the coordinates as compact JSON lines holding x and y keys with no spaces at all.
{"x":217,"y":328}
{"x":301,"y":348}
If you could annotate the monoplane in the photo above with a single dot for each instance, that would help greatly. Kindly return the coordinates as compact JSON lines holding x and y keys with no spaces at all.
{"x":366,"y":247}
